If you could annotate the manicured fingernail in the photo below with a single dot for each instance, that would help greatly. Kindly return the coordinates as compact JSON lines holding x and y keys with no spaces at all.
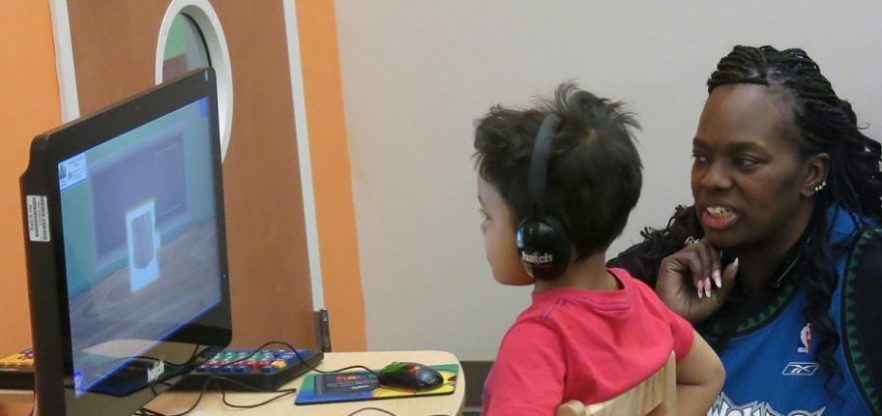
{"x":700,"y":290}
{"x":735,"y":263}
{"x":718,"y":280}
{"x":707,"y":287}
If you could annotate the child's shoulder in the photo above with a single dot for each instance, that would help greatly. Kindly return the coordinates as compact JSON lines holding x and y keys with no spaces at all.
{"x":640,"y":288}
{"x":628,"y":279}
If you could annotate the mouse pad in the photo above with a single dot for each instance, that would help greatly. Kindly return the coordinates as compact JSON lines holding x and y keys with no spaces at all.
{"x":361,"y":385}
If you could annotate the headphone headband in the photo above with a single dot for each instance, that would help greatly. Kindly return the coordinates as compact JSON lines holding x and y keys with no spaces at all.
{"x":542,"y":243}
{"x":539,"y":165}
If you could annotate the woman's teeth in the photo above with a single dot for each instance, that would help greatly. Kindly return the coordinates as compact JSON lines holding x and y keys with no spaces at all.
{"x":718,"y":211}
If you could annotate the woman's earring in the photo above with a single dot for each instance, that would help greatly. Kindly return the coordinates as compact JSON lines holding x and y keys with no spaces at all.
{"x":820,"y":186}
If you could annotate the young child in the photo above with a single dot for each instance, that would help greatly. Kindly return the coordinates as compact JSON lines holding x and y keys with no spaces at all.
{"x":556,"y":184}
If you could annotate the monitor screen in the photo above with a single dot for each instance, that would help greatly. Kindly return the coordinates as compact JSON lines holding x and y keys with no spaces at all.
{"x":126,"y":249}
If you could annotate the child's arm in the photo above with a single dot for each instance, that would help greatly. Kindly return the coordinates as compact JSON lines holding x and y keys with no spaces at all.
{"x":699,"y":379}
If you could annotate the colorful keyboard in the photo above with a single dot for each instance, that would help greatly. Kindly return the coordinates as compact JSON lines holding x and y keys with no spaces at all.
{"x":17,"y":371}
{"x":264,"y":370}
{"x":257,"y":371}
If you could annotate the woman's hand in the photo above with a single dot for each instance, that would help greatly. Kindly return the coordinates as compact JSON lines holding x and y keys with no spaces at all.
{"x":691,"y":283}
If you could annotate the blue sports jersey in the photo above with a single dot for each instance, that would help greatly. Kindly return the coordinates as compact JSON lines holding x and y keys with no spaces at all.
{"x":771,"y":369}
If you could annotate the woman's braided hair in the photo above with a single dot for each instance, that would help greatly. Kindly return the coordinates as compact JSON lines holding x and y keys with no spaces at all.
{"x":827,"y":125}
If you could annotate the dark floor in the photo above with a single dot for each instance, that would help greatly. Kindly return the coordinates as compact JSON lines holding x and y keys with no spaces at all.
{"x":475,"y":372}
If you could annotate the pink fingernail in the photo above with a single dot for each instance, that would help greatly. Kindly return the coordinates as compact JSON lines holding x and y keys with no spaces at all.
{"x":707,"y":287}
{"x":700,"y":290}
{"x":718,"y":280}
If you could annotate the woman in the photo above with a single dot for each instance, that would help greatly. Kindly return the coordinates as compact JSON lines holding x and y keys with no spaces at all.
{"x":775,"y":263}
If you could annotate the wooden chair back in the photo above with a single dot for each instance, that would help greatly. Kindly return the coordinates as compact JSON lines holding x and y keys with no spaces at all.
{"x":655,"y":396}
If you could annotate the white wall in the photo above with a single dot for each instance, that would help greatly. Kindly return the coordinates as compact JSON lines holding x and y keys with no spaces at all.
{"x":417,"y":73}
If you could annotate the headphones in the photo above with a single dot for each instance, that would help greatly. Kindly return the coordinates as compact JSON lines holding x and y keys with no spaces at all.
{"x":542,"y":243}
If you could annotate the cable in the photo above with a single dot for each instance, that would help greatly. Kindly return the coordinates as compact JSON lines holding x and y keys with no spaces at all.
{"x":371,"y":408}
{"x":382,"y":411}
{"x":213,"y":378}
{"x":147,"y":412}
{"x":283,"y":393}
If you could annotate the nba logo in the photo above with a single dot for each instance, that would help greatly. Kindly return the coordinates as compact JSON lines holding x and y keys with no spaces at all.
{"x":805,"y":338}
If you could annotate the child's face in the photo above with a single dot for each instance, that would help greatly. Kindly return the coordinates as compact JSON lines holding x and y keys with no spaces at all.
{"x":498,"y":228}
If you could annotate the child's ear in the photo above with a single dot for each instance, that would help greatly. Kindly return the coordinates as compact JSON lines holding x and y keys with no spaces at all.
{"x":817,"y":170}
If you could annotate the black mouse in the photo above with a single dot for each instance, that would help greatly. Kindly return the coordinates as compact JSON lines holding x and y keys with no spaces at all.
{"x":409,"y":376}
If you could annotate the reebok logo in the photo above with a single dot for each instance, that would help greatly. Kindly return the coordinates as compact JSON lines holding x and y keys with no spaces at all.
{"x":537,"y":258}
{"x":800,"y":369}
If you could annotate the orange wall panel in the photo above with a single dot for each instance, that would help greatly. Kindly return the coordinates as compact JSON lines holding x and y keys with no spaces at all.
{"x":29,"y":104}
{"x":335,"y":210}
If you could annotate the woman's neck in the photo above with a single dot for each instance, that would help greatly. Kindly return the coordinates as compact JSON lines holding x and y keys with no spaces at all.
{"x":588,"y":274}
{"x":763,"y":262}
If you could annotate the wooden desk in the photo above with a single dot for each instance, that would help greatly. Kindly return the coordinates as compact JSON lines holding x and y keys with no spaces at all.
{"x":16,"y":396}
{"x":211,"y":404}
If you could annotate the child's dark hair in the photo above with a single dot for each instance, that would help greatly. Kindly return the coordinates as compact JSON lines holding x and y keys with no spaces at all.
{"x":594,"y":171}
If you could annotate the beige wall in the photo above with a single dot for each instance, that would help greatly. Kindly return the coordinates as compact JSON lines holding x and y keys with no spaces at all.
{"x":417,"y":73}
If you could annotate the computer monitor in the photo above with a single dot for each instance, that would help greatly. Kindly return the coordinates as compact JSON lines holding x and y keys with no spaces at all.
{"x":126,"y":249}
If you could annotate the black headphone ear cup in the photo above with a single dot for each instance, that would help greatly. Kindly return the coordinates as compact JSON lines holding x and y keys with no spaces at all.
{"x":543,"y":247}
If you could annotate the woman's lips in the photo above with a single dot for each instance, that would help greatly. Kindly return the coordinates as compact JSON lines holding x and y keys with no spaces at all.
{"x":718,"y":217}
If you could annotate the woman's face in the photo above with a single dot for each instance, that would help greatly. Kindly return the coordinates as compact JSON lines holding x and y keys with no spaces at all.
{"x":748,"y":180}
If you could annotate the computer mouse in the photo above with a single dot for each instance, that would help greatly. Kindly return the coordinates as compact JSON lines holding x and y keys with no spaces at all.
{"x":409,"y":376}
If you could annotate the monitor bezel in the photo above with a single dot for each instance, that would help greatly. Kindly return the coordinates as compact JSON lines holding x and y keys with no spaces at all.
{"x":46,"y":262}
